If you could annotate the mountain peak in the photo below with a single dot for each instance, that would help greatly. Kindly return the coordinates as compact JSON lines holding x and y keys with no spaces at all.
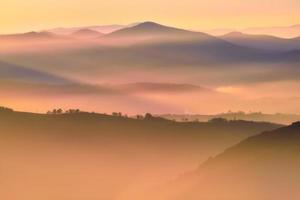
{"x":152,"y":26}
{"x":234,"y":34}
{"x":149,"y":24}
{"x":32,"y":34}
{"x":153,"y":29}
{"x":86,"y":33}
{"x":86,"y":30}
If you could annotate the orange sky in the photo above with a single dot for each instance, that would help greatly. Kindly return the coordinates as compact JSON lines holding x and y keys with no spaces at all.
{"x":21,"y":16}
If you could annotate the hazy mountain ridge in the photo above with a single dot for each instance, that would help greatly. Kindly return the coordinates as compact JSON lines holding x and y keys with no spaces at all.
{"x":86,"y":34}
{"x":11,"y":72}
{"x":172,"y":41}
{"x":100,"y":28}
{"x":165,"y":55}
{"x":152,"y":30}
{"x":28,"y":35}
{"x":279,"y":31}
{"x":281,"y":118}
{"x":33,"y":37}
{"x":191,"y":47}
{"x":262,"y":41}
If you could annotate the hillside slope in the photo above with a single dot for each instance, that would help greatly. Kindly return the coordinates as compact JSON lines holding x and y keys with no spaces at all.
{"x":96,"y":156}
{"x":262,"y":167}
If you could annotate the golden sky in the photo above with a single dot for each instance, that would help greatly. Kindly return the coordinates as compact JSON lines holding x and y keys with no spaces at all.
{"x":26,"y":15}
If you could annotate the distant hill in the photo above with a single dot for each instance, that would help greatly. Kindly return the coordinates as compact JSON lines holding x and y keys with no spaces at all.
{"x":151,"y":31}
{"x":33,"y":42}
{"x":265,"y":166}
{"x":31,"y":37}
{"x":154,"y":52}
{"x":280,"y":118}
{"x":86,"y":152}
{"x":151,"y":43}
{"x":28,"y":35}
{"x":86,"y":34}
{"x":12,"y":72}
{"x":173,"y":45}
{"x":100,"y":28}
{"x":279,"y":31}
{"x":262,"y":41}
{"x":95,"y":124}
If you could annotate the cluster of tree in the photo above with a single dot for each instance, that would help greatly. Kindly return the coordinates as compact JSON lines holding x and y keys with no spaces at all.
{"x":218,"y":120}
{"x":5,"y":109}
{"x":147,"y":116}
{"x":61,"y":111}
{"x":241,"y":113}
{"x":118,"y":114}
{"x":189,"y":120}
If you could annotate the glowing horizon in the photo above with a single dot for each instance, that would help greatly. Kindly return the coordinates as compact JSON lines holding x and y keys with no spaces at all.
{"x":34,"y":15}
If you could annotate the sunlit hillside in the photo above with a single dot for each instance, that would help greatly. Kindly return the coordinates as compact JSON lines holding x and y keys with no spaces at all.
{"x":261,"y":167}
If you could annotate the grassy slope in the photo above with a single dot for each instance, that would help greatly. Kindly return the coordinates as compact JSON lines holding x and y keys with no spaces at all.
{"x":92,"y":156}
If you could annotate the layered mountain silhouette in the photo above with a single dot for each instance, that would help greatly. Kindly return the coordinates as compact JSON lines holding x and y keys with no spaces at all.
{"x":12,"y":72}
{"x":171,"y":45}
{"x":101,"y":28}
{"x":279,"y":31}
{"x":262,"y":41}
{"x":31,"y":37}
{"x":188,"y":47}
{"x":154,"y":31}
{"x":28,"y":35}
{"x":265,"y":166}
{"x":292,"y":31}
{"x":151,"y":47}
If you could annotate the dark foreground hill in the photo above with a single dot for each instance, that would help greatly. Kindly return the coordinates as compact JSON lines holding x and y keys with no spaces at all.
{"x":262,"y":167}
{"x":95,"y":156}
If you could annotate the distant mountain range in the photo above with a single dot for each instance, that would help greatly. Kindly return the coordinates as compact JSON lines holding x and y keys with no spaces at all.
{"x":194,"y":48}
{"x":12,"y":72}
{"x":262,"y":41}
{"x":101,"y":28}
{"x":279,"y":31}
{"x":152,"y":32}
{"x":279,"y":118}
{"x":29,"y":35}
{"x":156,"y":54}
{"x":152,"y":44}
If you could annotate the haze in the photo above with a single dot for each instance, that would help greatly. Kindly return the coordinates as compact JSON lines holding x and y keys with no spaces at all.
{"x":149,"y":100}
